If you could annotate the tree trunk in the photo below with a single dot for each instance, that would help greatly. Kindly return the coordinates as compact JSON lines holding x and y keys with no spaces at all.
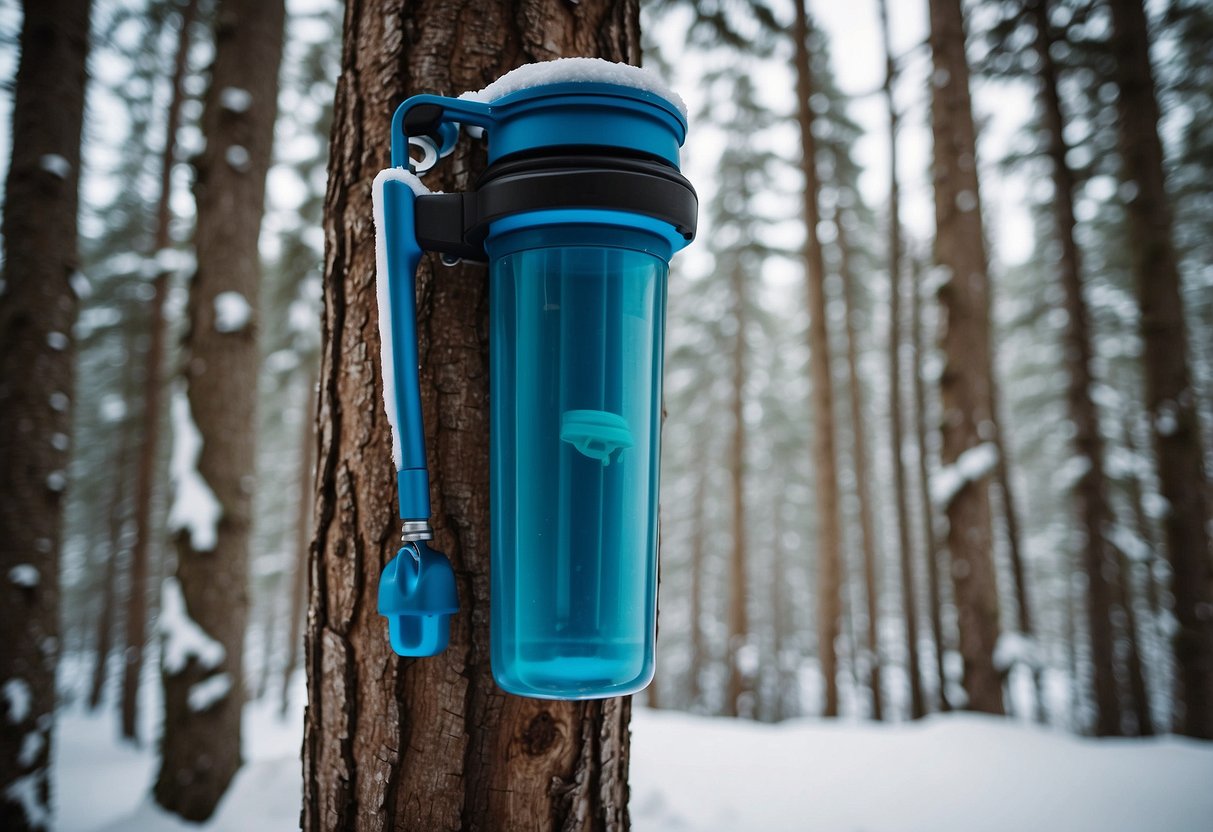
{"x":303,"y":539}
{"x":867,"y":533}
{"x":698,"y":537}
{"x":829,"y":558}
{"x":116,"y":517}
{"x":1090,"y":492}
{"x":931,"y":546}
{"x":1170,"y":398}
{"x":38,"y":305}
{"x":778,"y":578}
{"x":203,"y":694}
{"x":393,"y":744}
{"x":896,"y":423}
{"x":739,"y":693}
{"x":965,"y":385}
{"x":145,"y":476}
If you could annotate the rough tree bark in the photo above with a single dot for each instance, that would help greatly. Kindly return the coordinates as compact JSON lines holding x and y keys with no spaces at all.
{"x":1170,"y":397}
{"x":200,"y":749}
{"x":829,"y":558}
{"x":38,"y":305}
{"x":153,"y":394}
{"x":739,"y":687}
{"x":867,"y":534}
{"x":965,"y":384}
{"x":1090,"y":492}
{"x":393,"y":744}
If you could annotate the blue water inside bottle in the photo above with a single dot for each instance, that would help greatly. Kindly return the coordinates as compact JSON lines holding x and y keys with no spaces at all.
{"x":576,"y":358}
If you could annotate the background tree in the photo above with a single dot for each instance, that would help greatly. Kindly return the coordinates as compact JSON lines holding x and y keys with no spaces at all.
{"x":206,"y":606}
{"x":1170,"y":396}
{"x":965,"y":386}
{"x":38,"y":305}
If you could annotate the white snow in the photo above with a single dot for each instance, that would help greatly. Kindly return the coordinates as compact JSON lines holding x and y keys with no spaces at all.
{"x":56,"y":481}
{"x":1015,"y":648}
{"x":1166,"y":420}
{"x":80,"y":285}
{"x":970,"y":466}
{"x":112,"y":407}
{"x":31,"y":746}
{"x":59,"y":401}
{"x":59,"y":441}
{"x":28,"y":792}
{"x":235,"y":99}
{"x":209,"y":691}
{"x":24,"y":575}
{"x":942,"y":774}
{"x":171,"y":261}
{"x":56,"y":341}
{"x":387,"y":362}
{"x":237,"y":156}
{"x":563,"y":70}
{"x":195,"y":507}
{"x":232,"y":312}
{"x":183,"y":638}
{"x":55,"y":165}
{"x":18,"y":700}
{"x":948,"y":773}
{"x":1128,"y":543}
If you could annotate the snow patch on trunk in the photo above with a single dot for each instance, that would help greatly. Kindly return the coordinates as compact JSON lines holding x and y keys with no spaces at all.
{"x":970,"y":466}
{"x":210,"y":691}
{"x":387,"y":362}
{"x":195,"y":507}
{"x":55,"y":165}
{"x":27,"y":791}
{"x":18,"y":700}
{"x":183,"y":638}
{"x":232,"y":312}
{"x":24,"y":575}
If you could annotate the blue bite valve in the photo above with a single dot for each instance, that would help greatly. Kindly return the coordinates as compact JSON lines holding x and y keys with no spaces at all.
{"x":417,"y":595}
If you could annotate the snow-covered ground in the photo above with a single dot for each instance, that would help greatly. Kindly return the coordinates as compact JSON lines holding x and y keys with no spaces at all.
{"x":957,"y":772}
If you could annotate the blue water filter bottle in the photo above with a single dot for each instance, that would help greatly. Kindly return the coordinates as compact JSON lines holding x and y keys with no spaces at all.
{"x":578,"y":213}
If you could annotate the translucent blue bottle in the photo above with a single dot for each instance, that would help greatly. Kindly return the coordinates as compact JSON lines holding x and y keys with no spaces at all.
{"x":576,"y":356}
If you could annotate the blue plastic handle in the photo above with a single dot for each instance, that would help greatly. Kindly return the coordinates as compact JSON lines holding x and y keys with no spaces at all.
{"x":417,"y":588}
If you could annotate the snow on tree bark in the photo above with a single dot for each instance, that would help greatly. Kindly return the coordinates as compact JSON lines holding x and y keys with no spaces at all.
{"x":37,"y":300}
{"x":200,"y":749}
{"x":965,"y":340}
{"x":1170,"y":397}
{"x":431,"y":744}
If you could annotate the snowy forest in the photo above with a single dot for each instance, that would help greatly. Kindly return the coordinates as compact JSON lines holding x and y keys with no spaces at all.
{"x":936,"y":424}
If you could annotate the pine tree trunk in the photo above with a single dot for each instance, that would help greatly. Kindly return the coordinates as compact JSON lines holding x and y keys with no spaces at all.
{"x":739,"y":694}
{"x":698,"y":537}
{"x":116,"y":516}
{"x":38,"y":308}
{"x":778,"y":578}
{"x":201,"y":744}
{"x":896,"y":422}
{"x":393,"y":744}
{"x":1137,"y":677}
{"x":1170,"y":397}
{"x":1090,"y":492}
{"x":153,"y":394}
{"x":829,"y":557}
{"x":863,"y":493}
{"x":965,"y":385}
{"x":930,"y":545}
{"x":303,"y":539}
